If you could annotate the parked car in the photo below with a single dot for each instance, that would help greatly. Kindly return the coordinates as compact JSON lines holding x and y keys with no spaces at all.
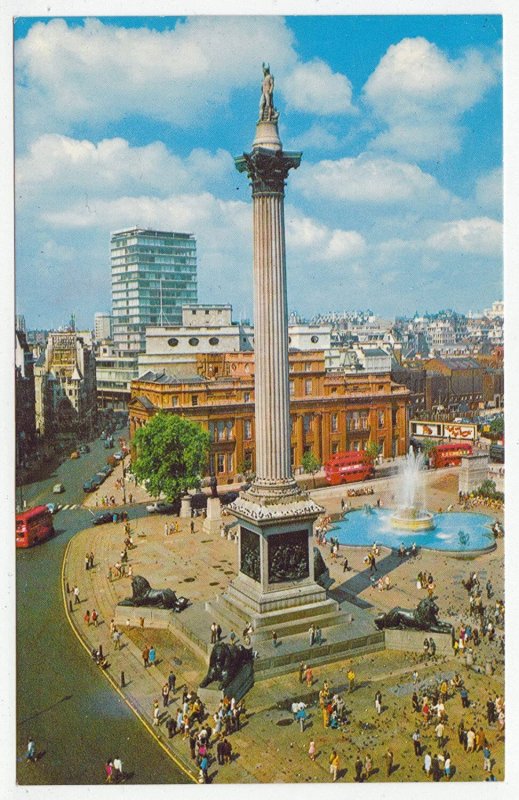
{"x":84,"y":448}
{"x":107,"y":470}
{"x":58,"y":488}
{"x":74,"y":454}
{"x":109,"y":443}
{"x":101,"y":475}
{"x":53,"y":507}
{"x":109,"y":516}
{"x":92,"y":484}
{"x":162,"y":508}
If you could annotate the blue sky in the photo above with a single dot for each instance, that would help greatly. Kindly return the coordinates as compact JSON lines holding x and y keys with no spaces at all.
{"x":396,"y":205}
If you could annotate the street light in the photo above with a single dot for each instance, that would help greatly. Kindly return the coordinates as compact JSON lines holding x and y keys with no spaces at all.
{"x":124,"y":484}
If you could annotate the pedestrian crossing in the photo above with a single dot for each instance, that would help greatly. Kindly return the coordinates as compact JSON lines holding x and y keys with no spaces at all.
{"x":69,"y":507}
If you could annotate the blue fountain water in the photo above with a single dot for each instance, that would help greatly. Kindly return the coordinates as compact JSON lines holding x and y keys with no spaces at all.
{"x":455,"y":531}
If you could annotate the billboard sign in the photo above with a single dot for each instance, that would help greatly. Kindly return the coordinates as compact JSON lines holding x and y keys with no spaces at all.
{"x":444,"y":430}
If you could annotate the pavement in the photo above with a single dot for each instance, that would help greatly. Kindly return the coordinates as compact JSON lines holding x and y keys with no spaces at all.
{"x":270,"y":747}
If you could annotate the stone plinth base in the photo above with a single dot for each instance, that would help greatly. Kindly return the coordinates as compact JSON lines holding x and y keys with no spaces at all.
{"x":238,"y":688}
{"x":213,"y":519}
{"x":185,"y":507}
{"x":473,"y":472}
{"x":412,"y":641}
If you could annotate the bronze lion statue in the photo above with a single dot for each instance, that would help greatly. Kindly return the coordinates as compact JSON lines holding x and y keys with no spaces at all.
{"x":423,"y":618}
{"x":225,"y":662}
{"x":144,"y":595}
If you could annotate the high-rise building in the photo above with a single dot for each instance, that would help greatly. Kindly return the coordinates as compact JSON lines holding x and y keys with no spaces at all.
{"x":102,"y":326}
{"x":153,"y":276}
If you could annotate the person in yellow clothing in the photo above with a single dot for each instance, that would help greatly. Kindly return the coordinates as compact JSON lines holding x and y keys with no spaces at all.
{"x":334,"y":764}
{"x":351,"y":679}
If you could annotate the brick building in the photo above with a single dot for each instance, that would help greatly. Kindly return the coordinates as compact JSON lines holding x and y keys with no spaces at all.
{"x":330,"y":412}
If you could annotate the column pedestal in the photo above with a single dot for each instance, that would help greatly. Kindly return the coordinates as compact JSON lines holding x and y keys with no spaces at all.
{"x":213,"y":518}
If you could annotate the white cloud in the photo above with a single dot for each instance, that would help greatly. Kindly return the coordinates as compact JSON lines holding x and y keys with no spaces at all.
{"x":316,"y":136}
{"x":479,"y":236}
{"x":103,"y":72}
{"x":420,"y":95}
{"x":59,"y":166}
{"x":314,"y":88}
{"x":369,"y":179}
{"x":318,"y":242}
{"x":489,"y":191}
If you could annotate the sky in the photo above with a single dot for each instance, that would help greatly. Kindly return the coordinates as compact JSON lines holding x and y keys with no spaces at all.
{"x":397,"y":204}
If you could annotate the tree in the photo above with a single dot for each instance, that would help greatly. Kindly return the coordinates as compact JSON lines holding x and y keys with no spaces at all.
{"x":497,"y":426}
{"x":427,"y":446}
{"x":372,"y":450}
{"x":310,"y":463}
{"x":171,"y":455}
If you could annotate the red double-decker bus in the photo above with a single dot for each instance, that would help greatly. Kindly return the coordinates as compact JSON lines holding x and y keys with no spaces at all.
{"x":33,"y":526}
{"x":449,"y":455}
{"x":348,"y":466}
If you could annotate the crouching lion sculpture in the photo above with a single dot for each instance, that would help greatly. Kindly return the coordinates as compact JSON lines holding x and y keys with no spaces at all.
{"x":144,"y":595}
{"x":225,"y":663}
{"x":423,"y":618}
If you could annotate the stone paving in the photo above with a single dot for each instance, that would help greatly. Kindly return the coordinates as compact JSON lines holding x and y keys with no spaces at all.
{"x":270,"y":746}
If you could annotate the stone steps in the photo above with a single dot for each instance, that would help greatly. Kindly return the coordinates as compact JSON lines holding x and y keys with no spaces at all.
{"x":285,"y":624}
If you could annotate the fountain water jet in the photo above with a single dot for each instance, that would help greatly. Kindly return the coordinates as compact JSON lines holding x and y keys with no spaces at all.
{"x":411,"y":514}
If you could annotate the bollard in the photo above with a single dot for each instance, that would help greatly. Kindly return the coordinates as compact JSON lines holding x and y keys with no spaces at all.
{"x":122,"y":680}
{"x":68,"y":588}
{"x":100,"y":651}
{"x":70,"y":606}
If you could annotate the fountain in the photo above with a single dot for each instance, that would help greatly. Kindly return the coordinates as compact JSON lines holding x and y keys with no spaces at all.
{"x":411,"y":514}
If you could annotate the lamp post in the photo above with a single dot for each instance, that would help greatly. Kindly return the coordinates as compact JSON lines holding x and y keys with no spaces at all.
{"x":124,"y":483}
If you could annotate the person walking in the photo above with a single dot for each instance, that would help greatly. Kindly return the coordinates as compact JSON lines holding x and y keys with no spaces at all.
{"x":388,"y":758}
{"x":447,"y":766}
{"x":213,"y":633}
{"x":146,"y":656}
{"x":152,"y":657}
{"x":309,"y":677}
{"x":274,"y":639}
{"x":165,"y":695}
{"x":302,"y":670}
{"x":440,"y":729}
{"x":87,"y":617}
{"x":116,"y":638}
{"x":351,"y":679}
{"x":218,"y":632}
{"x":118,"y":769}
{"x":91,"y":560}
{"x":358,"y":769}
{"x":416,"y":743}
{"x":427,"y":764}
{"x":311,"y":634}
{"x":94,"y":618}
{"x":301,"y":717}
{"x":487,"y":760}
{"x":172,"y":680}
{"x":378,"y":702}
{"x":345,"y":565}
{"x":75,"y":591}
{"x":318,"y":636}
{"x":311,"y":750}
{"x":156,"y":713}
{"x":87,"y":562}
{"x":334,"y":764}
{"x":368,"y":765}
{"x":31,"y":750}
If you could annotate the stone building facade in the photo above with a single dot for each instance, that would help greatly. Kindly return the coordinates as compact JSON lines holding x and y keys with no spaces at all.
{"x":329,"y":412}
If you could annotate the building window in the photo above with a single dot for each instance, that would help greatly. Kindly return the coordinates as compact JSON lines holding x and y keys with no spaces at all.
{"x":308,"y":366}
{"x":246,"y":397}
{"x":214,"y":340}
{"x":307,"y":423}
{"x":335,"y":447}
{"x":381,"y":447}
{"x":381,"y":419}
{"x":193,"y":341}
{"x":247,"y":429}
{"x":247,"y":459}
{"x":194,"y":399}
{"x":220,"y":462}
{"x":334,"y":423}
{"x":221,"y":429}
{"x":292,"y":388}
{"x":356,"y":445}
{"x":173,"y":341}
{"x":308,"y":386}
{"x":229,"y":462}
{"x":174,"y":401}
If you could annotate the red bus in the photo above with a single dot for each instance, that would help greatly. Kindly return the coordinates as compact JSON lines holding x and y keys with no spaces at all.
{"x":449,"y":455}
{"x":349,"y":466}
{"x":33,"y":526}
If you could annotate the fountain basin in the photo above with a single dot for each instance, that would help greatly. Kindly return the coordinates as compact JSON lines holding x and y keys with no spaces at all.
{"x":411,"y":519}
{"x":461,"y":534}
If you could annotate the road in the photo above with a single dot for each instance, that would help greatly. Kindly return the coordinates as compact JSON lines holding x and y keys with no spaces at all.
{"x":63,"y":700}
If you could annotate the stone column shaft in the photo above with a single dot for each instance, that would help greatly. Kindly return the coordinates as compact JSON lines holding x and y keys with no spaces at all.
{"x":271,"y":340}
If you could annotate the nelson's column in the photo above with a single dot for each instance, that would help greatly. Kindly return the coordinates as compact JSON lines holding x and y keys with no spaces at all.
{"x":275,"y":517}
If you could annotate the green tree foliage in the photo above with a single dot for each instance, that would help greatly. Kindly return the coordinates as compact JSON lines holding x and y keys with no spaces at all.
{"x":372,"y":450}
{"x":310,"y":463}
{"x":497,"y":426}
{"x":427,"y":446}
{"x":171,"y":455}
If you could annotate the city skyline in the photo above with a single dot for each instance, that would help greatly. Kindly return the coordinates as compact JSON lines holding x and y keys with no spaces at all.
{"x":396,"y":205}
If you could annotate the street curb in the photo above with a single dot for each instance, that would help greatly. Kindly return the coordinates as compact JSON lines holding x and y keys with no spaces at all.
{"x":109,"y":677}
